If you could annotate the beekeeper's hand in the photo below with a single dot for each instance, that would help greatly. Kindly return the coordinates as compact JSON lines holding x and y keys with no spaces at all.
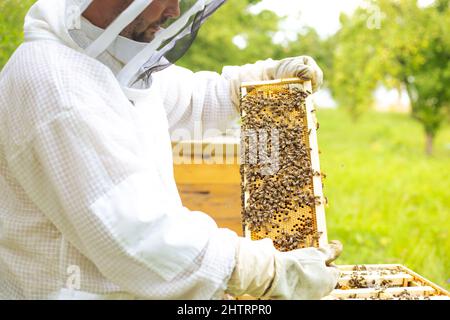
{"x":264,"y":272}
{"x":303,"y":67}
{"x":333,"y":251}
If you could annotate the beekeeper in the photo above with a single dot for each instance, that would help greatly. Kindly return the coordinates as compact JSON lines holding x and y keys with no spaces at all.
{"x":88,"y":203}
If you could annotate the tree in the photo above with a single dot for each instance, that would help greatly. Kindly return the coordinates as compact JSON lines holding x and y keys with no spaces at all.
{"x":419,"y":45}
{"x":308,"y":42}
{"x":356,"y":71}
{"x":214,"y":47}
{"x":410,"y":46}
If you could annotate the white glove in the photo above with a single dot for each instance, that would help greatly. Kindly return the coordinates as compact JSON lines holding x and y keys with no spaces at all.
{"x":264,"y":272}
{"x":303,"y":67}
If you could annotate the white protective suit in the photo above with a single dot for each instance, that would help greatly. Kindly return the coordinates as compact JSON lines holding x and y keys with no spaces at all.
{"x":88,"y":203}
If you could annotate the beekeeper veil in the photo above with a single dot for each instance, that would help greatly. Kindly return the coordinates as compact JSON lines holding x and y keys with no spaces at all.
{"x":172,"y":38}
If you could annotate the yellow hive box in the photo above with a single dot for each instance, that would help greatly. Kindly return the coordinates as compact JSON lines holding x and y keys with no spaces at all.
{"x":211,"y":185}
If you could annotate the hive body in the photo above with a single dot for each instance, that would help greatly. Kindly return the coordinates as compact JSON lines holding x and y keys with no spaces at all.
{"x":282,"y":195}
{"x":385,"y":282}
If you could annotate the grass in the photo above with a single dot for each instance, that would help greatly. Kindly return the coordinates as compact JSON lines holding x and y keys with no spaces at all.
{"x":388,"y":201}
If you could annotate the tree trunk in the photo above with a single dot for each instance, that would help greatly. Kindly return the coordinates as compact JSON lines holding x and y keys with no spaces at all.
{"x":429,"y":143}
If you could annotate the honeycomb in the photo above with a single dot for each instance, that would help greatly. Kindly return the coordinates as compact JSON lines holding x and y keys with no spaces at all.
{"x":281,"y":182}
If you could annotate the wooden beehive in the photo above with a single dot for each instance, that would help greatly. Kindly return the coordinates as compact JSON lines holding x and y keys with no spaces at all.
{"x":385,"y":282}
{"x":208,"y":180}
{"x":281,"y":180}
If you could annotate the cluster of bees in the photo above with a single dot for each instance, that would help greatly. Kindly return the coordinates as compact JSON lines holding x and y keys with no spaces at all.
{"x":358,"y":281}
{"x":300,"y":238}
{"x":381,"y":295}
{"x":363,"y":270}
{"x":405,"y":295}
{"x":284,"y":197}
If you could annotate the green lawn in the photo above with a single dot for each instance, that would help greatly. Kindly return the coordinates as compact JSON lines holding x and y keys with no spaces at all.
{"x":388,"y":202}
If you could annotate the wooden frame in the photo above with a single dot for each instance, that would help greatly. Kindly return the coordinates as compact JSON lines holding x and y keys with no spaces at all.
{"x":319,"y":212}
{"x":385,"y":282}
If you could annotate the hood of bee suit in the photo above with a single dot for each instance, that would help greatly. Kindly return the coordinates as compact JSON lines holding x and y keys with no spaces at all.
{"x":132,"y":62}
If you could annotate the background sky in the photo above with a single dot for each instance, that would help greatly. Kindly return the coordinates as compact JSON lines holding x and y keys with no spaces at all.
{"x":323,"y":15}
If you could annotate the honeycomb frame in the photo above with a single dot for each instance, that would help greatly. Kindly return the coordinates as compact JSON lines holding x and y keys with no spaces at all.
{"x":284,"y":226}
{"x":384,"y":282}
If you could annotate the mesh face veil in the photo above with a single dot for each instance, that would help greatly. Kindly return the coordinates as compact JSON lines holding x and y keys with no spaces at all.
{"x":172,"y":37}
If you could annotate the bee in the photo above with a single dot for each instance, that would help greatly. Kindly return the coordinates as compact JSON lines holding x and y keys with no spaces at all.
{"x":273,"y":196}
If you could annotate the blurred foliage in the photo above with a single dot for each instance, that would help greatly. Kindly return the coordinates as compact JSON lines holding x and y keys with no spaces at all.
{"x":410,"y":47}
{"x":214,"y":47}
{"x":308,"y":42}
{"x":377,"y":45}
{"x":12,"y":13}
{"x":356,"y":69}
{"x":421,"y":63}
